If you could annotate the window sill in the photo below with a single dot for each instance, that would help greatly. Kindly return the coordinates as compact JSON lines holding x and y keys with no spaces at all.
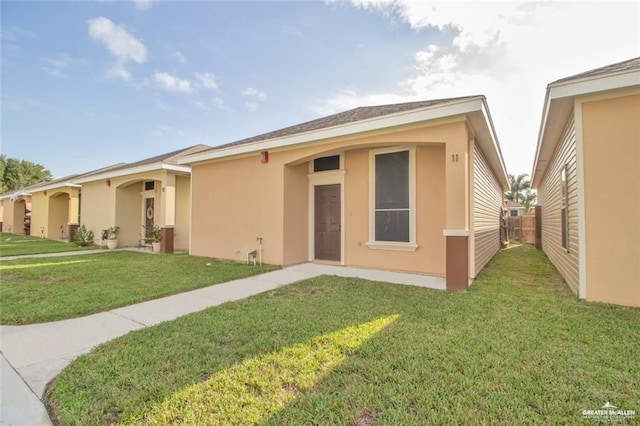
{"x":392,"y":246}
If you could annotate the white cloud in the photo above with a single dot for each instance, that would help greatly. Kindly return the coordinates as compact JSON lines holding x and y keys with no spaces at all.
{"x":252,"y":105}
{"x":142,"y":4}
{"x":58,"y":64}
{"x":172,"y":83}
{"x":122,"y":45}
{"x":168,"y":131}
{"x":207,"y":80}
{"x":178,"y":54}
{"x":256,"y":97}
{"x":508,"y":51}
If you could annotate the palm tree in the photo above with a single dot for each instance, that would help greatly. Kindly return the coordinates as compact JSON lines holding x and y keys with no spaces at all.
{"x":518,"y":185}
{"x":529,"y":200}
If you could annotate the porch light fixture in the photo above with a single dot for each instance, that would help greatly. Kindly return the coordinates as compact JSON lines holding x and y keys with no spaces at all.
{"x":45,"y":193}
{"x":108,"y":182}
{"x":264,"y":157}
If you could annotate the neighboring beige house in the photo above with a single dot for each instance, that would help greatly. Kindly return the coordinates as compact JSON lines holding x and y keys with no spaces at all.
{"x":414,"y":187}
{"x":56,"y":206}
{"x":587,"y":172}
{"x":515,"y":209}
{"x":132,"y":196}
{"x":15,"y":206}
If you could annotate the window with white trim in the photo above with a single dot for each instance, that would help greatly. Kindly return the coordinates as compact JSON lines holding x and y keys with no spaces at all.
{"x":393,"y":214}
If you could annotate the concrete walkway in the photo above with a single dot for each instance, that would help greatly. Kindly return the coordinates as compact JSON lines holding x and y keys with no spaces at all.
{"x":32,"y":355}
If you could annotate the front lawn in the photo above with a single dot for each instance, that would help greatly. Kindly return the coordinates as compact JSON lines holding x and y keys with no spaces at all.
{"x":18,"y":245}
{"x":48,"y":289}
{"x":517,"y":348}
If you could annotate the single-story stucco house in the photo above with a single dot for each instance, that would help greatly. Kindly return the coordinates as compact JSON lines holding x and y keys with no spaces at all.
{"x":15,"y":207}
{"x":135,"y":196}
{"x":56,"y":208}
{"x":587,"y":173}
{"x":414,"y":187}
{"x":515,"y":209}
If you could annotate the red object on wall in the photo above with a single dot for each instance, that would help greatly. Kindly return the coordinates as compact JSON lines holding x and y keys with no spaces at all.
{"x":264,"y":157}
{"x":45,"y":193}
{"x":108,"y":182}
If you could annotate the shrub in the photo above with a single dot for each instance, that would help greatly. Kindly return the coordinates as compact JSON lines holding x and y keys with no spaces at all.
{"x":83,"y":238}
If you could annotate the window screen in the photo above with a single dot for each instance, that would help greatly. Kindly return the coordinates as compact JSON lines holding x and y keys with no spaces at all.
{"x":391,"y":210}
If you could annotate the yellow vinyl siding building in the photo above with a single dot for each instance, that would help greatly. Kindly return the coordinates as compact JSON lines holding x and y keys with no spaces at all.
{"x":587,"y":170}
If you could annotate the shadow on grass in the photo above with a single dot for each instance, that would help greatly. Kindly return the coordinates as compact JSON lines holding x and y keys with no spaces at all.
{"x":517,"y":347}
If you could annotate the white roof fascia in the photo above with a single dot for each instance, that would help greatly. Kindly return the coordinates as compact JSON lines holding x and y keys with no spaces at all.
{"x":376,"y":123}
{"x":56,"y":186}
{"x":16,"y":195}
{"x":573,"y":88}
{"x":494,"y":141}
{"x":543,"y":125}
{"x":594,"y":84}
{"x":132,"y":171}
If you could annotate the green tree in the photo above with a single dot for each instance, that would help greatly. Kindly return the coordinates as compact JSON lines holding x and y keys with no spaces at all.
{"x":16,"y":174}
{"x":529,"y":200}
{"x":519,"y":185}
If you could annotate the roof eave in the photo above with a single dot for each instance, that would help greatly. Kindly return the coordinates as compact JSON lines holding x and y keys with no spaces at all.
{"x":492,"y":148}
{"x":565,"y":92}
{"x":458,"y":107}
{"x":57,"y":186}
{"x":133,"y":171}
{"x":15,"y":195}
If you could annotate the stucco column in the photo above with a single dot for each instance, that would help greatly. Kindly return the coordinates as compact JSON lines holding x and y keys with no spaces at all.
{"x":457,"y":224}
{"x":168,"y":212}
{"x":168,"y":201}
{"x":74,"y":206}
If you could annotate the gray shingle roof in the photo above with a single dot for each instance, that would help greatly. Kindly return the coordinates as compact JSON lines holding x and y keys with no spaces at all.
{"x":168,"y":158}
{"x":627,"y":65}
{"x":350,"y":116}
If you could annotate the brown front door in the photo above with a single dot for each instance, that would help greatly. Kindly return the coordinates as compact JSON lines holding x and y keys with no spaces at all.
{"x":149,"y":213}
{"x":327,"y":222}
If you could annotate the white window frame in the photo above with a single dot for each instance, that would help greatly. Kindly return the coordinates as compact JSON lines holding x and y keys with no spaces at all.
{"x":411,"y":245}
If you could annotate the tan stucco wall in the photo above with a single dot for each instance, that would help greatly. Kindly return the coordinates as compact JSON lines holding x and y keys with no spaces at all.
{"x":97,"y":208}
{"x":7,"y":215}
{"x":129,"y":213}
{"x":13,"y":214}
{"x":183,"y":213}
{"x":39,"y":214}
{"x":236,"y":200}
{"x":611,"y":141}
{"x":296,"y":214}
{"x":120,"y":204}
{"x":429,"y":258}
{"x":52,"y":209}
{"x":58,"y":215}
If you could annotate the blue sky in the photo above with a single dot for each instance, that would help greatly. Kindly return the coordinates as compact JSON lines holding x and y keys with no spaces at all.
{"x":88,"y":84}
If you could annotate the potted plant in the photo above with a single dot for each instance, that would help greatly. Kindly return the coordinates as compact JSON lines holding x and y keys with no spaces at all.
{"x":155,"y":234}
{"x":112,"y":237}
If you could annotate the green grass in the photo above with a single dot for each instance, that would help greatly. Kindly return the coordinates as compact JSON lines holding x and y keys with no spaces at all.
{"x":18,"y":245}
{"x":48,"y":289}
{"x":517,"y":348}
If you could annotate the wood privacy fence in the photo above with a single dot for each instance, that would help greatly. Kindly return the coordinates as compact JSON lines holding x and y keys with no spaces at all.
{"x":524,"y":228}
